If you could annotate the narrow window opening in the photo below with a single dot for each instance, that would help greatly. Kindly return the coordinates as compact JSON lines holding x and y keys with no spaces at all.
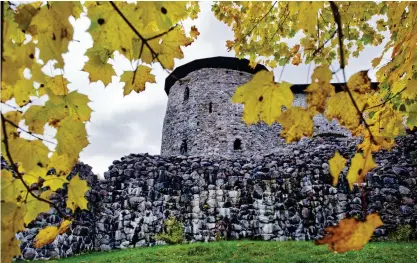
{"x":198,"y":123}
{"x":237,"y":145}
{"x":186,"y":93}
{"x":210,"y":107}
{"x":183,"y":148}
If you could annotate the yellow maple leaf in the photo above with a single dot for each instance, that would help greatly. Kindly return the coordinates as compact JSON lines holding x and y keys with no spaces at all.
{"x":320,"y":88}
{"x":136,"y":80}
{"x":52,"y":29}
{"x":263,"y":98}
{"x":71,"y":131}
{"x":359,"y":167}
{"x":11,"y":130}
{"x":410,"y":91}
{"x":56,"y":109}
{"x":11,"y":223}
{"x":35,"y":207}
{"x":360,"y":82}
{"x":46,"y":236}
{"x":21,"y":91}
{"x":168,"y":47}
{"x":35,"y":118}
{"x":336,"y":164}
{"x":340,"y":107}
{"x":12,"y":189}
{"x":61,"y":163}
{"x":77,"y":189}
{"x":57,"y":85}
{"x":65,"y":225}
{"x":296,"y":123}
{"x":29,"y":153}
{"x":97,"y":66}
{"x":350,"y":234}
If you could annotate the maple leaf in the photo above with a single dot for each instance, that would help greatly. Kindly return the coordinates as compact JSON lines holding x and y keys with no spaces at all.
{"x":412,"y":115}
{"x":29,"y":153}
{"x":65,"y":225}
{"x":57,"y":85}
{"x":11,"y":130}
{"x":339,"y":106}
{"x":62,"y":164}
{"x":21,"y":91}
{"x":359,"y":167}
{"x":336,"y":164}
{"x":52,"y":29}
{"x":12,"y":190}
{"x":360,"y":82}
{"x":263,"y":98}
{"x":11,"y":223}
{"x":296,"y":122}
{"x":35,"y":207}
{"x":46,"y":236}
{"x":320,"y":88}
{"x":350,"y":234}
{"x":77,"y":189}
{"x":71,"y":131}
{"x":410,"y":91}
{"x":97,"y":66}
{"x":136,"y":80}
{"x":168,"y":47}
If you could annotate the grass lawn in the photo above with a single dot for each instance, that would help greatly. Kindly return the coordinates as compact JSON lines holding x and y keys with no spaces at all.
{"x":252,"y":251}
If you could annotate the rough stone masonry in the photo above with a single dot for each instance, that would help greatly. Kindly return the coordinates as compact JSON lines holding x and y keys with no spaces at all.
{"x":262,"y":190}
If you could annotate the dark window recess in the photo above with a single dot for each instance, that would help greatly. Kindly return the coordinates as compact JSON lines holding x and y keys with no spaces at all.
{"x":186,"y":93}
{"x":237,"y":145}
{"x":183,"y":148}
{"x":210,"y":107}
{"x":198,"y":123}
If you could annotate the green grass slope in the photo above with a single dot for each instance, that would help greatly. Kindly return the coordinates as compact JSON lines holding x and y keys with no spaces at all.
{"x":252,"y":251}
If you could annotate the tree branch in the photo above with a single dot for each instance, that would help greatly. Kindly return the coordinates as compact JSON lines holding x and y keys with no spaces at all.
{"x":28,"y":132}
{"x":144,"y":40}
{"x":389,"y":99}
{"x":20,"y":175}
{"x":337,"y":19}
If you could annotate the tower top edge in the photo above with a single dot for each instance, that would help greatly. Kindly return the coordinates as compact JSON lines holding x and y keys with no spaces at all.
{"x":232,"y":63}
{"x":213,"y":62}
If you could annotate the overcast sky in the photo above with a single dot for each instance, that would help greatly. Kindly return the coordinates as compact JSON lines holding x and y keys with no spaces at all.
{"x":133,"y":124}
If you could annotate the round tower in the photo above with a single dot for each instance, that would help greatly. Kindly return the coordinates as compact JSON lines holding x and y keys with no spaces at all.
{"x":202,"y":120}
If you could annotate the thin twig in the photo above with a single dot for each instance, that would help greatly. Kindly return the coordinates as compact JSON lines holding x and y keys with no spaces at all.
{"x":324,"y":43}
{"x":144,"y":40}
{"x":337,"y":19}
{"x":162,"y":34}
{"x":20,"y":175}
{"x":256,"y":25}
{"x":28,"y":132}
{"x":13,"y":107}
{"x":383,"y":103}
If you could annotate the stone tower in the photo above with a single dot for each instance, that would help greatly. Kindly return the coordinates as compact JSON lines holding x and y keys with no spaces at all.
{"x":201,"y":119}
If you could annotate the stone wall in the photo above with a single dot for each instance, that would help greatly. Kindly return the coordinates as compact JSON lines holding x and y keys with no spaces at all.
{"x":202,"y":120}
{"x":280,"y":196}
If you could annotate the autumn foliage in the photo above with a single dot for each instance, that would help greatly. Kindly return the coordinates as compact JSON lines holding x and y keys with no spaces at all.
{"x":150,"y":33}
